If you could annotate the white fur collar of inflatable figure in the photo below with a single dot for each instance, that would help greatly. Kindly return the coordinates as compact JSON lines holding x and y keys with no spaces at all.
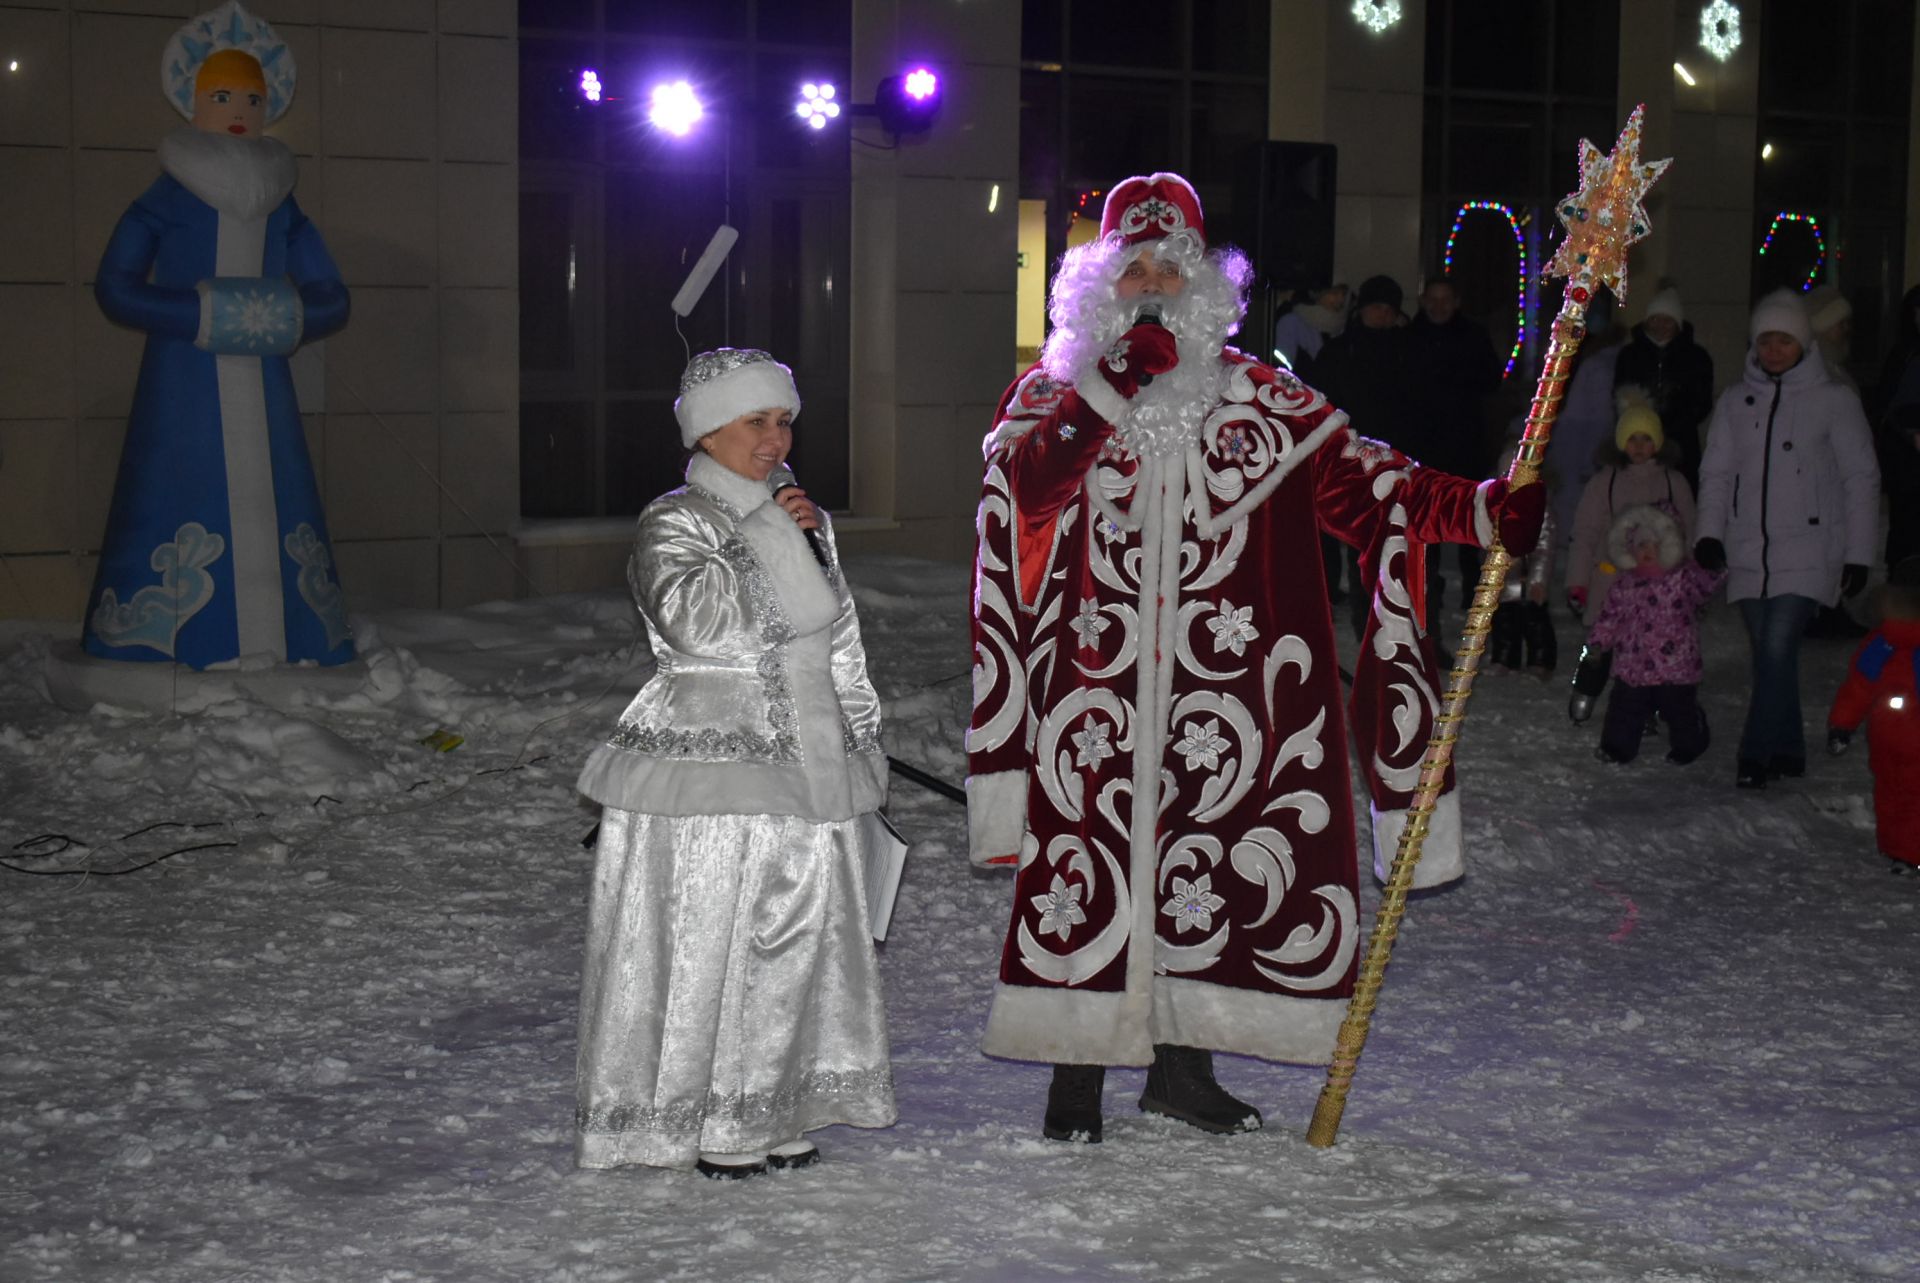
{"x":244,"y":177}
{"x":228,"y":27}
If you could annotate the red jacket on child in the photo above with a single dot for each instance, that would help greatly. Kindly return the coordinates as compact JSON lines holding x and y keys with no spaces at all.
{"x":1883,"y":689}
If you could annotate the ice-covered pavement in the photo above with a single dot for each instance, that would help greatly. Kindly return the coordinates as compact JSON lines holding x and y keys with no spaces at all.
{"x":1664,"y":1031}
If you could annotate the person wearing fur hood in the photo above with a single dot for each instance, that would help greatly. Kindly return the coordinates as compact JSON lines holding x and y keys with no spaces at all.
{"x":1640,"y":469}
{"x":1790,"y":505}
{"x":1651,"y":624}
{"x":1883,"y":690}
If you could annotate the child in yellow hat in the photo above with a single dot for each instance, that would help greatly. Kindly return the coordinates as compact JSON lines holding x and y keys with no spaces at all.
{"x":1640,"y":469}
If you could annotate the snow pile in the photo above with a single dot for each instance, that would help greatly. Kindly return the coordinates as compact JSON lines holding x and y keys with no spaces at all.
{"x":1662,"y":1033}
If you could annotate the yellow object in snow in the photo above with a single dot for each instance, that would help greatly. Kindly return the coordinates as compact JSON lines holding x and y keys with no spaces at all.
{"x":443,"y":741}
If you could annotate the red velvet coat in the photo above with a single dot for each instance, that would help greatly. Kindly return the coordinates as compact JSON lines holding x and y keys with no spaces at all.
{"x":1883,"y":689}
{"x":1152,"y":637}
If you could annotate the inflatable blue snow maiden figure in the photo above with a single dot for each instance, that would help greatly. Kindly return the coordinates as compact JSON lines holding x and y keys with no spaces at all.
{"x":216,"y":547}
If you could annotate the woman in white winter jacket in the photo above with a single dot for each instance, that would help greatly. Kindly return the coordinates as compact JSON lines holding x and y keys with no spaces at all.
{"x":731,"y":1001}
{"x":1790,"y":504}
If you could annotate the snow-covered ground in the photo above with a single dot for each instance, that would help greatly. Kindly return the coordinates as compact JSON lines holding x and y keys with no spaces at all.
{"x":1664,"y":1031}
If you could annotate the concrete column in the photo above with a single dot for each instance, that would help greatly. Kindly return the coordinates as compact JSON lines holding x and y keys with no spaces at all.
{"x":1702,"y":210}
{"x":935,"y":252}
{"x":1334,"y":81}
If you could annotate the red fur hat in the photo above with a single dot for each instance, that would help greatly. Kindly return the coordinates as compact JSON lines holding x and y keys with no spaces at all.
{"x":1146,"y":209}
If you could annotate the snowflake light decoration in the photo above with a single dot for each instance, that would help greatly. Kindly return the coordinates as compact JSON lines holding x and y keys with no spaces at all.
{"x":1376,"y":15}
{"x":1720,"y":29}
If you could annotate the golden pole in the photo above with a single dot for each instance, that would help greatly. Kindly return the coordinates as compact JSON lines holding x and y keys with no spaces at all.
{"x":1603,"y":218}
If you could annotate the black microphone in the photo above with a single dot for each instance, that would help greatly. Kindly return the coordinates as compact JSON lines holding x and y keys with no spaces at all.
{"x":1149,"y":314}
{"x":782,"y":478}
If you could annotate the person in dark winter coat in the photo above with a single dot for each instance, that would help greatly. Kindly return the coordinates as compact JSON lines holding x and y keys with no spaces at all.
{"x":1676,"y":372}
{"x":1790,"y":504}
{"x":1651,"y":624}
{"x":1457,"y":370}
{"x":1371,"y":371}
{"x":1894,"y":410}
{"x":1883,"y":690}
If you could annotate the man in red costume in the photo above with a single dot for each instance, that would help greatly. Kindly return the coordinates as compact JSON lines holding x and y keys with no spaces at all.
{"x":1157,"y":738}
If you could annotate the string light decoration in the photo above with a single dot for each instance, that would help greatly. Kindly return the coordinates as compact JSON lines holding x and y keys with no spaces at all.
{"x":1520,"y":245}
{"x":1819,"y":242}
{"x":1720,"y":29}
{"x":1376,"y":15}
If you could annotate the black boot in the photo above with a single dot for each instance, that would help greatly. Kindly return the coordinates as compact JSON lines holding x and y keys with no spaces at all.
{"x":1181,"y":1085}
{"x":1073,"y":1103}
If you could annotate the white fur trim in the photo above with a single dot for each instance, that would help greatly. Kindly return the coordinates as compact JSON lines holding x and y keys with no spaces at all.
{"x":1069,"y":1026}
{"x":1195,"y":1013}
{"x":798,"y":581}
{"x":1482,"y":514}
{"x":760,"y":385}
{"x":1101,"y":398}
{"x":996,"y":815}
{"x":244,"y":177}
{"x":205,"y":333}
{"x":1442,"y":855}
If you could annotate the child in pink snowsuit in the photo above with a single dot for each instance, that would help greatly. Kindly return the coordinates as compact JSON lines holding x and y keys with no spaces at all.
{"x":1651,"y":624}
{"x":1883,"y":689}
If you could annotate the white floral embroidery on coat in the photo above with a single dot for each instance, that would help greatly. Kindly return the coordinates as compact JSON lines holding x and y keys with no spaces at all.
{"x":1090,"y":623}
{"x":1060,"y":909}
{"x":1202,"y":745}
{"x":1091,"y":740}
{"x":1193,"y":903}
{"x":1232,"y":628}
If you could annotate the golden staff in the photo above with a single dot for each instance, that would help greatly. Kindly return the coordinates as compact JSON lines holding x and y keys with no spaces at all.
{"x":1603,"y":218}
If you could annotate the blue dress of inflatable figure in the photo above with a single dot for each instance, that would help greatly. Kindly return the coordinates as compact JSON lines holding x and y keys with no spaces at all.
{"x":216,"y":547}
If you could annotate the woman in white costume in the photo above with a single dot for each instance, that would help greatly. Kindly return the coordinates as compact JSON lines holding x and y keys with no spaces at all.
{"x":731,"y":1002}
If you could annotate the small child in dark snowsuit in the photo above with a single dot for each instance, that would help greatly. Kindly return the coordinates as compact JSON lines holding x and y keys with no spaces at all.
{"x":1651,"y":624}
{"x":1883,"y":689}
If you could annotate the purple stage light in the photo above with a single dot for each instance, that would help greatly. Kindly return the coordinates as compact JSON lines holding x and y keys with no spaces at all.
{"x":816,"y":105}
{"x":590,"y":85}
{"x":676,"y":108}
{"x":922,"y":84}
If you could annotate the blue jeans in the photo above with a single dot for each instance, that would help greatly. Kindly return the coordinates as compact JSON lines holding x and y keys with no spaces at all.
{"x":1774,"y":628}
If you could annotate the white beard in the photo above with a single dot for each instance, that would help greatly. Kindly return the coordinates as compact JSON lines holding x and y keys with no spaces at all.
{"x":1165,"y":416}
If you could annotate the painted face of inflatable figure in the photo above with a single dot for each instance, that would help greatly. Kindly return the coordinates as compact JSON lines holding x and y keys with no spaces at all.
{"x":230,"y":95}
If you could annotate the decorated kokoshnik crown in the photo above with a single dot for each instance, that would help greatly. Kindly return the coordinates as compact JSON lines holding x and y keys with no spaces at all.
{"x":1146,"y":209}
{"x":228,"y":27}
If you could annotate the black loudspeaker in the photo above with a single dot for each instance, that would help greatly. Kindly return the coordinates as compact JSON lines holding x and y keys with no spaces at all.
{"x":1283,"y":213}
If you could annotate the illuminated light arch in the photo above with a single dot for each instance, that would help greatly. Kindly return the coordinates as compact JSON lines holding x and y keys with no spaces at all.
{"x":1819,"y":242}
{"x":1520,"y":246}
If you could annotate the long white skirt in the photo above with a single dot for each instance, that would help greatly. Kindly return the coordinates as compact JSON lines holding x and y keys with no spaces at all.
{"x":731,"y":999}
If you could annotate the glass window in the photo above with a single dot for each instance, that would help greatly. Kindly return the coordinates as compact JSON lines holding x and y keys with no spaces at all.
{"x":1500,"y":45}
{"x":1883,"y":54}
{"x":1226,"y":123}
{"x":704,"y":19}
{"x":556,"y":459}
{"x":1124,"y":33}
{"x":805,"y":22}
{"x":644,"y":456}
{"x":1586,"y":48}
{"x":1042,"y":24}
{"x":1803,"y":57}
{"x":1494,"y":148}
{"x":1231,"y":35}
{"x":1119,"y":127}
{"x":556,"y":120}
{"x":556,"y":15}
{"x":550,"y":261}
{"x":657,"y":225}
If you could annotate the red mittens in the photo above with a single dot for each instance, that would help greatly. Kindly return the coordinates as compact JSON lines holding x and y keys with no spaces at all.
{"x":1143,"y":350}
{"x":1518,"y":514}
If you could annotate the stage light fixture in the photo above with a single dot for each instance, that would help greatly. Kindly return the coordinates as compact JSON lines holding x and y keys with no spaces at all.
{"x":676,"y":108}
{"x":907,"y":104}
{"x":818,"y":104}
